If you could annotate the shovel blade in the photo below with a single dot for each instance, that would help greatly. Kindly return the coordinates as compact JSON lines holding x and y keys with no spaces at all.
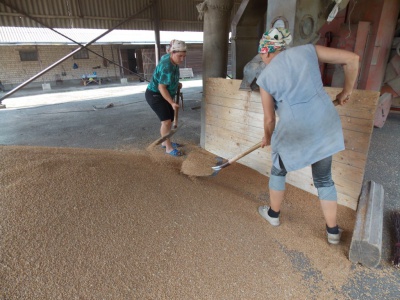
{"x":220,"y":167}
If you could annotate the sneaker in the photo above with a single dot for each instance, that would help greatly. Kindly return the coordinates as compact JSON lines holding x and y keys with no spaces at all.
{"x":334,"y":238}
{"x":263,"y":211}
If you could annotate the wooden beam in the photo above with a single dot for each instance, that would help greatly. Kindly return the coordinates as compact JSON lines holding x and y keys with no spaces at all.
{"x":366,"y":243}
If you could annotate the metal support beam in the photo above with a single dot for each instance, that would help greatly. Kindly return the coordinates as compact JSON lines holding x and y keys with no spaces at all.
{"x":72,"y":53}
{"x":157,"y":30}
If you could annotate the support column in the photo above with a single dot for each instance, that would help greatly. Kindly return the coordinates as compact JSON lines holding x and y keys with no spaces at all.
{"x":157,"y":31}
{"x":216,"y":15}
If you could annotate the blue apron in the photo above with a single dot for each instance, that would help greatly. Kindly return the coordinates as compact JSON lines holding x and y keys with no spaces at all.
{"x":309,"y":127}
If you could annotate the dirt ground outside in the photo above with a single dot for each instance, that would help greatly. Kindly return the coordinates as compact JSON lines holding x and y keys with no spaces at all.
{"x":87,"y":211}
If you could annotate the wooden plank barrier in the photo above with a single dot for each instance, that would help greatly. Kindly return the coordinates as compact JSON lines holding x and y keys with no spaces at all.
{"x":234,"y":123}
{"x":366,"y":243}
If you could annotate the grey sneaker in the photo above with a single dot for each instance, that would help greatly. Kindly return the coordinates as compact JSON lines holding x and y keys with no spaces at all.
{"x":263,"y":211}
{"x":334,"y":238}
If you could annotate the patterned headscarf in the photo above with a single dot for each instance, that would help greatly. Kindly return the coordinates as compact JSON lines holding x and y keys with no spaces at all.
{"x":177,"y":45}
{"x":274,"y":39}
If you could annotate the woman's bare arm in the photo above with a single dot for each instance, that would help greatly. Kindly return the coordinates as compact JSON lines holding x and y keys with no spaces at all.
{"x":350,"y":63}
{"x":269,"y":116}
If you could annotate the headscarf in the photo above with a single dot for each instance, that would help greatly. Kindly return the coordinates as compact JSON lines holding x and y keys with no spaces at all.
{"x":275,"y":39}
{"x":177,"y":45}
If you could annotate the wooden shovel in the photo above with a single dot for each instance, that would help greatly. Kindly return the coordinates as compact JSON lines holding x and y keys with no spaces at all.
{"x":233,"y":159}
{"x":163,"y":138}
{"x":176,"y":100}
{"x":175,"y":124}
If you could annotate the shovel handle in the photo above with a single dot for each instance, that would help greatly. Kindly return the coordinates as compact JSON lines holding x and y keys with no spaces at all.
{"x":163,"y":138}
{"x":176,"y":100}
{"x":176,"y":118}
{"x":239,"y":156}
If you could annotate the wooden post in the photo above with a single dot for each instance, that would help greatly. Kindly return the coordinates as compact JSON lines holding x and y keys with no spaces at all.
{"x":366,"y":244}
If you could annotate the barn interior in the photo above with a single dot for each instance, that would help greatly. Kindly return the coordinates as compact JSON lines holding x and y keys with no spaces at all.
{"x":83,"y":218}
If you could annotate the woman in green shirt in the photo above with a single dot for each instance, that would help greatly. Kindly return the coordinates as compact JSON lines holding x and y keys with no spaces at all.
{"x":162,"y":89}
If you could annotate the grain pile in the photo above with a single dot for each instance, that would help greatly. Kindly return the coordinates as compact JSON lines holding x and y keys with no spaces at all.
{"x":199,"y":163}
{"x":95,"y":224}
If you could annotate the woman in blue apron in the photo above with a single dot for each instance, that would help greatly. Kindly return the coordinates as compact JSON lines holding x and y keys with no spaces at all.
{"x":309,"y":130}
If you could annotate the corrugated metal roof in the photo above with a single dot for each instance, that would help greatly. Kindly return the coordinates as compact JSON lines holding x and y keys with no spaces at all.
{"x":174,"y":15}
{"x":44,"y":36}
{"x":76,"y":13}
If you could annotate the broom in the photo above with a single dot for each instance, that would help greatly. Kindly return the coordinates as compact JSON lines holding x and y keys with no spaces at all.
{"x":396,"y":221}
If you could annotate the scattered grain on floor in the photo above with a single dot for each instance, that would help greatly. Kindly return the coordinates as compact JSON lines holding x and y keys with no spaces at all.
{"x":80,"y":223}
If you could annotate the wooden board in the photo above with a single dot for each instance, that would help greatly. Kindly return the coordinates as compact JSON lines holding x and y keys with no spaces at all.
{"x":234,"y":123}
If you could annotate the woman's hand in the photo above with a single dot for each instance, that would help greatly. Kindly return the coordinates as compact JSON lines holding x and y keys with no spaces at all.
{"x":265,"y":142}
{"x":350,"y":63}
{"x":343,"y":97}
{"x":175,"y":106}
{"x":164,"y":92}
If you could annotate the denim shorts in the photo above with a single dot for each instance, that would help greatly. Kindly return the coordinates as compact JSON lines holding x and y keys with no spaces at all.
{"x":321,"y":172}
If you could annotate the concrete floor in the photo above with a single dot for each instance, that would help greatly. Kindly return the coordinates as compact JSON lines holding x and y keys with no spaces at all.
{"x":78,"y":117}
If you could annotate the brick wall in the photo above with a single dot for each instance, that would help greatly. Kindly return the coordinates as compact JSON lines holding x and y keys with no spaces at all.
{"x":13,"y":71}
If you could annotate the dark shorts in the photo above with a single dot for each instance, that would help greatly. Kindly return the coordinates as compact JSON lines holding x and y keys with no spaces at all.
{"x":159,"y":105}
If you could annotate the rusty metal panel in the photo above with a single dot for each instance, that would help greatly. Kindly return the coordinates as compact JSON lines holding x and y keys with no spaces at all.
{"x":304,"y":18}
{"x":363,"y":31}
{"x":382,"y":44}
